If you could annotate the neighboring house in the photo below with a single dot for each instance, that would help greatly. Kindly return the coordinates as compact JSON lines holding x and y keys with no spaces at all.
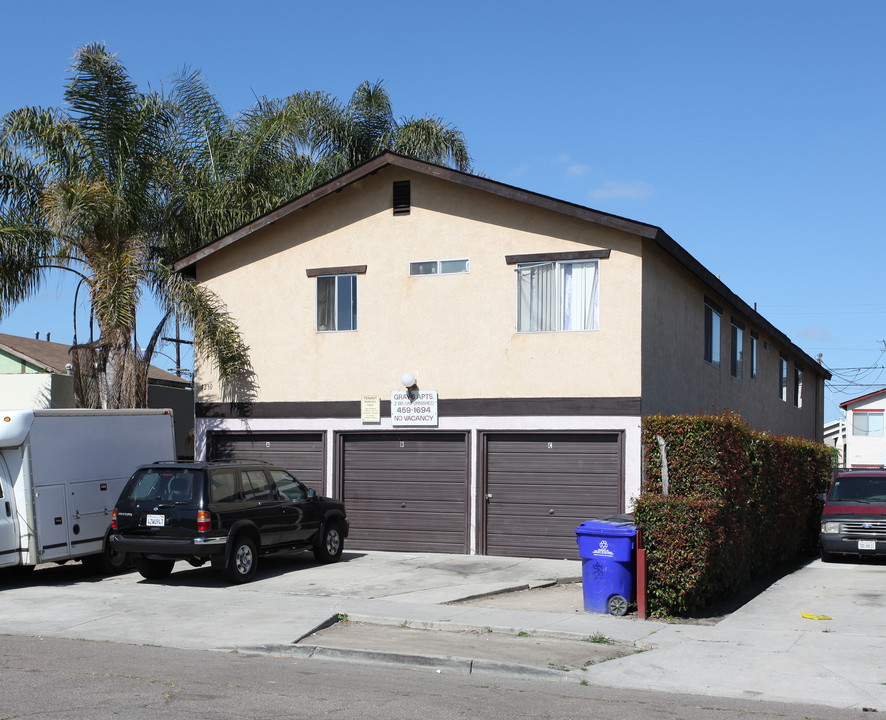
{"x":861,"y":435}
{"x":34,"y":373}
{"x":532,"y":335}
{"x":835,"y":437}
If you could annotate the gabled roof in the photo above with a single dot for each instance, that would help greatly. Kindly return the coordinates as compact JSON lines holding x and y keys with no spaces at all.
{"x":481,"y":184}
{"x":53,"y":357}
{"x":869,"y":396}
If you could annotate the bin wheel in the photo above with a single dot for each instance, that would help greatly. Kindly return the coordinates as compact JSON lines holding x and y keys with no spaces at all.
{"x":617,"y":605}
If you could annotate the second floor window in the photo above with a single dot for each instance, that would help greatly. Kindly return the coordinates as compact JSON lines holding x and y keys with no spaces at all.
{"x":557,"y":296}
{"x":712,"y":334}
{"x":736,"y":364}
{"x":754,"y":341}
{"x":867,"y":423}
{"x":783,"y":377}
{"x":336,"y":303}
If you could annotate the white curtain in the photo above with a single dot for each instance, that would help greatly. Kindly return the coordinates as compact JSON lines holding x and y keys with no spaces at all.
{"x":557,"y":296}
{"x":579,"y":282}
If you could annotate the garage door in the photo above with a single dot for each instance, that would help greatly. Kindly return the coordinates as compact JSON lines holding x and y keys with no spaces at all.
{"x":541,"y":486}
{"x":406,"y":491}
{"x":299,"y":453}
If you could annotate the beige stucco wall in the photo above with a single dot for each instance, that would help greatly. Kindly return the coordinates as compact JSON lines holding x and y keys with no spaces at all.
{"x":456,"y":333}
{"x":676,"y":379}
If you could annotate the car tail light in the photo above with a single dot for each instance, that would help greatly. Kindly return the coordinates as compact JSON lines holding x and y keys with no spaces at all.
{"x":114,"y":519}
{"x":203,"y":522}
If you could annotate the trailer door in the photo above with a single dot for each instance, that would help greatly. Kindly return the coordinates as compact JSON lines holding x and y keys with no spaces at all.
{"x":9,"y":553}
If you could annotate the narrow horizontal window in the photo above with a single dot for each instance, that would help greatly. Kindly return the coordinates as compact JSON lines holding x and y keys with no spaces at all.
{"x":439,"y":267}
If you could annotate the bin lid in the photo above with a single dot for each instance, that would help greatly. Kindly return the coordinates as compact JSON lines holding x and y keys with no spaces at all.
{"x":608,"y":528}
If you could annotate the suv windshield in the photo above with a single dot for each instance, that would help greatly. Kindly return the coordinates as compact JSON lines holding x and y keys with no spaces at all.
{"x":859,"y":489}
{"x":162,"y":484}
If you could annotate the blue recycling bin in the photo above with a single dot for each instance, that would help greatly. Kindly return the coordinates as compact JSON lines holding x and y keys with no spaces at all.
{"x":608,"y":564}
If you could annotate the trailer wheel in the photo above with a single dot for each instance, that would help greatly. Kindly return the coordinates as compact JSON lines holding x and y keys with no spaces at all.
{"x":109,"y":561}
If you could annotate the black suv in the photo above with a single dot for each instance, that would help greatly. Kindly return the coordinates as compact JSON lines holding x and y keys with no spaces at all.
{"x":224,"y":512}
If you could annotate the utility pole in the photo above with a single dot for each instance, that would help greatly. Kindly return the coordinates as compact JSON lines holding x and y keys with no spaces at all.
{"x":178,"y":342}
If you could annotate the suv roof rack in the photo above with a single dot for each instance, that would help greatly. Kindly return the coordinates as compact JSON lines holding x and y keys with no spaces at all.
{"x":201,"y":463}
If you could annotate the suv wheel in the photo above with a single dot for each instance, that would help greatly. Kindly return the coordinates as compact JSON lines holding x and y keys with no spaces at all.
{"x":153,"y":569}
{"x":329,"y":543}
{"x":242,"y":561}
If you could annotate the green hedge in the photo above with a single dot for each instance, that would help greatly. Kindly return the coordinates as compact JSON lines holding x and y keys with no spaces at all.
{"x":739,"y":502}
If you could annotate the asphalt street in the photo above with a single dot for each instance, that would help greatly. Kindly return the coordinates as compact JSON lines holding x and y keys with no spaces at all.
{"x":84,"y":680}
{"x":765,"y":650}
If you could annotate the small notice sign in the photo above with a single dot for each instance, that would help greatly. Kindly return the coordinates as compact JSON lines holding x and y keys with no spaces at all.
{"x":414,"y":407}
{"x":370,"y":408}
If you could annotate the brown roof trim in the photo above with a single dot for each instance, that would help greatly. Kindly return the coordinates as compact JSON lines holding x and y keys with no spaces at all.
{"x":551,"y":257}
{"x":386,"y":159}
{"x":342,"y":270}
{"x":870,"y":395}
{"x":393,"y":159}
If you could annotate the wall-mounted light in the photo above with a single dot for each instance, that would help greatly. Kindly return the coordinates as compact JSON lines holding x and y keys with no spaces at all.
{"x":408,"y":380}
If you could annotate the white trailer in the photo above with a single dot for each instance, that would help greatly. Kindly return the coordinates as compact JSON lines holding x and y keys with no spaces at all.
{"x":61,"y":472}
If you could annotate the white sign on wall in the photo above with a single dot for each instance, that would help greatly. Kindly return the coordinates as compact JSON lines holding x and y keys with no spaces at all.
{"x":414,"y":407}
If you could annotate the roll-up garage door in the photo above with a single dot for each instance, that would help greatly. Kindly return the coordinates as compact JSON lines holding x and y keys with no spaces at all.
{"x":299,"y":453}
{"x":541,"y":486}
{"x":406,"y":491}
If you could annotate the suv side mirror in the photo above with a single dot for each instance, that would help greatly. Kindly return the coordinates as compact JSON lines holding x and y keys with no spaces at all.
{"x":311,"y":493}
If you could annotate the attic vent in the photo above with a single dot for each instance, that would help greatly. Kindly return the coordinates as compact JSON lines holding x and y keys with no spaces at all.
{"x":402,"y":197}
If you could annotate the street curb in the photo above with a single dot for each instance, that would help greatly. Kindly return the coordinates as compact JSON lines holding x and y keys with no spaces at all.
{"x":457,"y":627}
{"x":460,"y":665}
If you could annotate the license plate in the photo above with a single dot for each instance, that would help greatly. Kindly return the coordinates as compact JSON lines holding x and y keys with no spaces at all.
{"x":867,"y":544}
{"x":155,"y":520}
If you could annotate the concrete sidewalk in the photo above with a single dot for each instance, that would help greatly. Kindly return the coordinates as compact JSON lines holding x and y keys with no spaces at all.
{"x":765,"y":650}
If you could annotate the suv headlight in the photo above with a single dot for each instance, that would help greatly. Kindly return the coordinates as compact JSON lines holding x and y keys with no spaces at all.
{"x":830,"y":527}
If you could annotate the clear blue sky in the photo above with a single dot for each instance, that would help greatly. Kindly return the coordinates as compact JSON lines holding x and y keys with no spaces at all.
{"x":752,"y":133}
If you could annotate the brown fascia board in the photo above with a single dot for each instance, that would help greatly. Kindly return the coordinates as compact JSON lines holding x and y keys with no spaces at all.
{"x":393,"y":159}
{"x":386,"y":159}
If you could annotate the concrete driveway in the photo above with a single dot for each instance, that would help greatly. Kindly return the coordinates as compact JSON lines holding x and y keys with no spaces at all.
{"x":766,"y":649}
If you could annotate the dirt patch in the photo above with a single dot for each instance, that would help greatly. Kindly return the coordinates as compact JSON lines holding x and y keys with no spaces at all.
{"x":523,"y":648}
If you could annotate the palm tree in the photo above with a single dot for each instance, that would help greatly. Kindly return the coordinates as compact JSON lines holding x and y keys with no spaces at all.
{"x":83,"y":190}
{"x":123,"y":183}
{"x":366,"y":127}
{"x":331,"y":137}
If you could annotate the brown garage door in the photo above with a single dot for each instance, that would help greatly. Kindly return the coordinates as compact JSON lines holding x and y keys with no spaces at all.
{"x":543,"y":485}
{"x":406,"y":491}
{"x":299,"y":453}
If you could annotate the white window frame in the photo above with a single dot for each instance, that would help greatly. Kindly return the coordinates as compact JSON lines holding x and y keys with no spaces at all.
{"x":868,"y":415}
{"x":440,"y":265}
{"x":557,"y":287}
{"x":798,"y":386}
{"x":337,"y":299}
